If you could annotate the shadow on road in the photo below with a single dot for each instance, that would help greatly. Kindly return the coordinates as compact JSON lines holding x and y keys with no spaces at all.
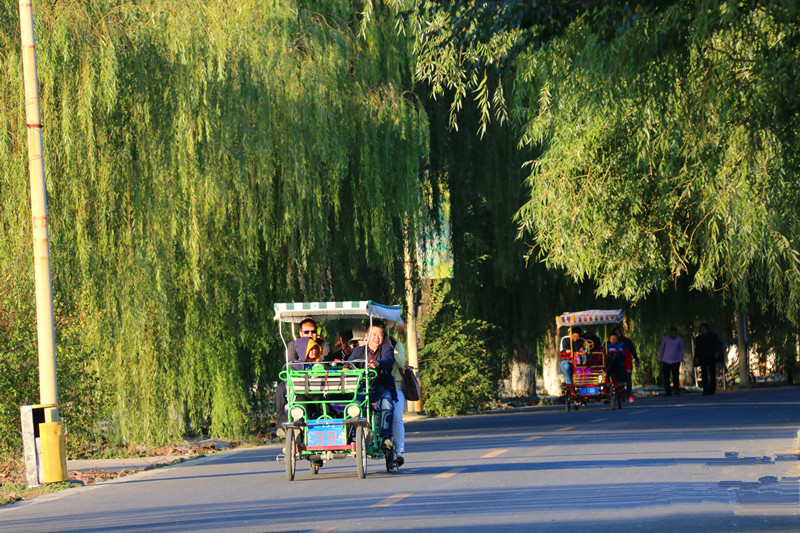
{"x":773,"y":503}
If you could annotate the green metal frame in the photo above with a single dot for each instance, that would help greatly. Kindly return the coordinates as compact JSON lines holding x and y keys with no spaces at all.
{"x":321,"y":383}
{"x":321,"y":387}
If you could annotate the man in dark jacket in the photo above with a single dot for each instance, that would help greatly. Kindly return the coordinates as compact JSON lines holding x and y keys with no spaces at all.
{"x":707,"y":353}
{"x":379,"y":356}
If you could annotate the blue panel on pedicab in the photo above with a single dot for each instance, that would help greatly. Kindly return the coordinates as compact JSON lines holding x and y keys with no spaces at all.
{"x":588,"y":391}
{"x":327,"y":432}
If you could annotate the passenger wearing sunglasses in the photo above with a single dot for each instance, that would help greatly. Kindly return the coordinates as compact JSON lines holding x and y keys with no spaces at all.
{"x":308,"y":329}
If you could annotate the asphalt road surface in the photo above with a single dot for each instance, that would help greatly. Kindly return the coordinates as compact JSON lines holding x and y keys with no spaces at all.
{"x":724,"y":463}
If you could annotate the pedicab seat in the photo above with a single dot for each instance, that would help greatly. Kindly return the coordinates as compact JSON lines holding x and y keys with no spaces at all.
{"x":324,"y":383}
{"x":586,"y":375}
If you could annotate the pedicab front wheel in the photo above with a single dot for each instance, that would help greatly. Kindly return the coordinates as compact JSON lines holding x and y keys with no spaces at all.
{"x":291,"y":459}
{"x":361,"y":452}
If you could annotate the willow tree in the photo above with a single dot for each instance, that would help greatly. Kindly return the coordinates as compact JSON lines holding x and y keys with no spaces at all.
{"x":663,"y":134}
{"x":667,"y":133}
{"x":206,"y":160}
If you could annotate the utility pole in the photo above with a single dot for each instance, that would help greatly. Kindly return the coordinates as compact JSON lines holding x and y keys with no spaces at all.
{"x":48,"y":384}
{"x":411,"y":317}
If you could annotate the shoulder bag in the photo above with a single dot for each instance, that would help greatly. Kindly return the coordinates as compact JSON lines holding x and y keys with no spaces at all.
{"x":410,"y":384}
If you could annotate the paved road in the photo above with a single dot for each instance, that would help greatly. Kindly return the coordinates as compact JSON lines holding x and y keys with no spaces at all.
{"x":726,"y":463}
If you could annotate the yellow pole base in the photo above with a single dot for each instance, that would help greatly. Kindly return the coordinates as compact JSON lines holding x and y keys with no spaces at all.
{"x":54,"y":452}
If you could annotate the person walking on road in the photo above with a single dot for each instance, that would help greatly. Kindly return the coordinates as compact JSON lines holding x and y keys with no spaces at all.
{"x":707,"y":353}
{"x":670,"y":355}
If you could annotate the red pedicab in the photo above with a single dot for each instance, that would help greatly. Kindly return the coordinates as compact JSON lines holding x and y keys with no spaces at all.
{"x":592,"y":380}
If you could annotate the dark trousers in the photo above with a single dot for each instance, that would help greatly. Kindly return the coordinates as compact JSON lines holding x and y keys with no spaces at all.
{"x":616,"y":369}
{"x":671,"y":370}
{"x":383,"y":398}
{"x":280,"y":404}
{"x":709,"y":375}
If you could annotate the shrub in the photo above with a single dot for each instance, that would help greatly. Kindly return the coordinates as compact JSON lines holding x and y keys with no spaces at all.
{"x":455,"y":367}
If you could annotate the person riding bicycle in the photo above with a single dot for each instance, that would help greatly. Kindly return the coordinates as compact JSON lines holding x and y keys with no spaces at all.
{"x":616,"y":355}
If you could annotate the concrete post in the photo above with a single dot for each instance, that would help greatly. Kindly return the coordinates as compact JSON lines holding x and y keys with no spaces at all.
{"x":30,"y":449}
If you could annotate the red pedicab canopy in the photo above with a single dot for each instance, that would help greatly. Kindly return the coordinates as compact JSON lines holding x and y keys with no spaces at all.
{"x":590,"y":317}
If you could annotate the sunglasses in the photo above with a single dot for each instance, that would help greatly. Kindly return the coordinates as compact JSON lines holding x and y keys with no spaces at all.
{"x":308,"y":331}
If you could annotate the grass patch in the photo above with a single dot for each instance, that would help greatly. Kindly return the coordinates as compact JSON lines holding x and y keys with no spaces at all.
{"x":13,"y":486}
{"x":13,"y":492}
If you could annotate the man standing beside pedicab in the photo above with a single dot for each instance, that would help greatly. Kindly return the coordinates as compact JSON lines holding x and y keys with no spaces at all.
{"x":380,"y":357}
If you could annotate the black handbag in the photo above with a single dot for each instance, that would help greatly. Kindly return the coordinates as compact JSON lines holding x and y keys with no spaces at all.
{"x":410,"y":384}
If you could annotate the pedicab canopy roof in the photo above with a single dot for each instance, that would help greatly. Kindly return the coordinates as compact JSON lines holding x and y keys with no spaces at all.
{"x":593,"y":316}
{"x":296,"y":312}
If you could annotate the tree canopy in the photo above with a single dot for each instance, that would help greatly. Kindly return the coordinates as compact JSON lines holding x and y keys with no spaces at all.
{"x":665,"y":133}
{"x":204,"y":160}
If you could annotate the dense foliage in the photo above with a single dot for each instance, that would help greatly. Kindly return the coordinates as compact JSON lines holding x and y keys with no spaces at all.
{"x":204,"y":160}
{"x":458,"y":367}
{"x":667,"y":133}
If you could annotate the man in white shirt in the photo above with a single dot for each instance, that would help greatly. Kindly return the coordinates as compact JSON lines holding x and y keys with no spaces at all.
{"x":670,"y":355}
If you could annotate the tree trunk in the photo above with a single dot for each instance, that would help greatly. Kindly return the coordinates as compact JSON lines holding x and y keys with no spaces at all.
{"x":551,"y":368}
{"x":523,"y":373}
{"x":551,"y":374}
{"x":687,"y":375}
{"x":744,"y":380}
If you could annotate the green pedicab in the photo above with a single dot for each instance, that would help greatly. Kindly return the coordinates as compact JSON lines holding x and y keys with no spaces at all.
{"x":330,"y":415}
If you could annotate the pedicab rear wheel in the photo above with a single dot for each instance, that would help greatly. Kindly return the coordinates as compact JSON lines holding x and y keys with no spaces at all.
{"x":568,"y":403}
{"x":291,"y":458}
{"x":361,"y":452}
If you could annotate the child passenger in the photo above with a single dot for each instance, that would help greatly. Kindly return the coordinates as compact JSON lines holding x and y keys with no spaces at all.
{"x":616,"y":352}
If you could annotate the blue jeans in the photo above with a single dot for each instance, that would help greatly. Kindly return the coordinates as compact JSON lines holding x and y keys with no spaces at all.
{"x":398,"y":429}
{"x":383,"y":398}
{"x":566,"y":368}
